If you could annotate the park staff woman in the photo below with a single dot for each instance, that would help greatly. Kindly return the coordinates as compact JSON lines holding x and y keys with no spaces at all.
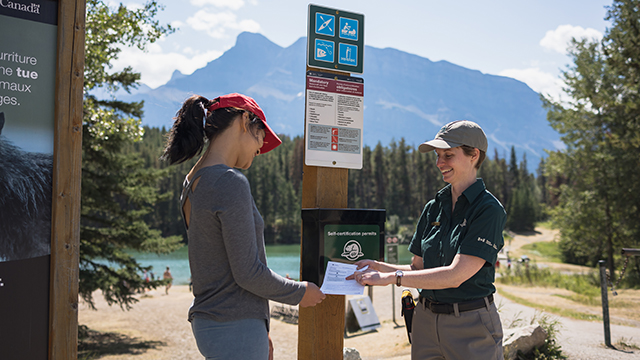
{"x":455,"y":249}
{"x":231,"y":281}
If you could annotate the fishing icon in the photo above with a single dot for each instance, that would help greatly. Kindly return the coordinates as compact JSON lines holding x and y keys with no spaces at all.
{"x":324,"y":50}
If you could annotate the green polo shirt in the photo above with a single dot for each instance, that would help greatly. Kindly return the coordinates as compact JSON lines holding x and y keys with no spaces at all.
{"x":474,"y":228}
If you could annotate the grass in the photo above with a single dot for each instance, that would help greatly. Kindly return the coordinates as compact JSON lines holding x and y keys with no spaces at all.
{"x":625,"y":343}
{"x":587,"y":285}
{"x":581,"y":289}
{"x":551,"y":309}
{"x":547,"y":250}
{"x":545,"y":224}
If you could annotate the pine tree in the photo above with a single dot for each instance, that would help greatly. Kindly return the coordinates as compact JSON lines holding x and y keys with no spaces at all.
{"x":523,"y":207}
{"x":118,"y":191}
{"x":379,"y":177}
{"x":597,"y":175}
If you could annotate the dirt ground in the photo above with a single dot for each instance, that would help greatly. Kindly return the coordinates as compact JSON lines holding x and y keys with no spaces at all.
{"x":156,"y":328}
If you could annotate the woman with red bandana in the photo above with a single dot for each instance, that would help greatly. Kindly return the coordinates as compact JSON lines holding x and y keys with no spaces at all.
{"x":231,"y":281}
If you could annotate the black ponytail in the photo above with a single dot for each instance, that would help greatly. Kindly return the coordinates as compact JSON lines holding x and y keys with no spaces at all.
{"x":192,"y":128}
{"x":186,"y":138}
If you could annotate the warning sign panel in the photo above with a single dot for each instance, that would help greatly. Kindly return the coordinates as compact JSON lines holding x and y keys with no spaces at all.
{"x":333,"y":131}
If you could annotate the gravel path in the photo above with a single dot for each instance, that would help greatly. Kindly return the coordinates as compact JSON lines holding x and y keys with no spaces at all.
{"x":580,"y":340}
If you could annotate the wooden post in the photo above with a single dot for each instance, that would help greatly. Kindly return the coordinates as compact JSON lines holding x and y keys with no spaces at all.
{"x":321,"y":328}
{"x":67,"y":167}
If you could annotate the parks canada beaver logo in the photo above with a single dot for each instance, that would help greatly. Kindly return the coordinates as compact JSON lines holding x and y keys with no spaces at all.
{"x":352,"y":250}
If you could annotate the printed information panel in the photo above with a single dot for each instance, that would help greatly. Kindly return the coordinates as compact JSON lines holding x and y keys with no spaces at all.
{"x":28,"y":54}
{"x":334,"y":120}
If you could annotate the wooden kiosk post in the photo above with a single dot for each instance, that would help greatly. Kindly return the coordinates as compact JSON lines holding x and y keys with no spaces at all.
{"x":335,"y":46}
{"x":321,"y":328}
{"x":67,"y":168}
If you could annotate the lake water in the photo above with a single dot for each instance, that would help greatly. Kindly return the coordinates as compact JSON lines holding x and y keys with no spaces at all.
{"x":283,"y":259}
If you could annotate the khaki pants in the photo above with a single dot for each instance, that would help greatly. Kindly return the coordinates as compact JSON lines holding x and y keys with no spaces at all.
{"x":475,"y":334}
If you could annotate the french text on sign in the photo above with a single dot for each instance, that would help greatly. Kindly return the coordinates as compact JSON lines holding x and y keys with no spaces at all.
{"x":334,"y":119}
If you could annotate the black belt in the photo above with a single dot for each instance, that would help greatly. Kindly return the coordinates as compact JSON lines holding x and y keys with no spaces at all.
{"x":448,"y":308}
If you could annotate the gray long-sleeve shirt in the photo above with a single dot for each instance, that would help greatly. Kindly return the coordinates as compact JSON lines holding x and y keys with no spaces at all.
{"x":231,"y":280}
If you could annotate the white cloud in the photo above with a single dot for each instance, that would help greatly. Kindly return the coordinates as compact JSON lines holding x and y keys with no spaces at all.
{"x":231,"y":4}
{"x":217,"y":24}
{"x":558,"y":39}
{"x":157,"y":66}
{"x":176,"y":24}
{"x":538,"y":80}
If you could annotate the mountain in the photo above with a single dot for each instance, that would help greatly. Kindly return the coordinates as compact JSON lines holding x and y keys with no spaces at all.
{"x":405,"y":96}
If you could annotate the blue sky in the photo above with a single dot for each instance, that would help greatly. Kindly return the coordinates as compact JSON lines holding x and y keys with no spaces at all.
{"x":525,"y":40}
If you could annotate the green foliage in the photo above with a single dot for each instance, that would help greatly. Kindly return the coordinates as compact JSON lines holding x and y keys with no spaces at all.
{"x":397,"y":178}
{"x":107,"y":30}
{"x":548,"y":250}
{"x":552,"y":309}
{"x":524,"y":202}
{"x":532,"y":275}
{"x":118,"y":191}
{"x":595,"y":180}
{"x":551,"y":350}
{"x":631,"y":277}
{"x":276,"y":185}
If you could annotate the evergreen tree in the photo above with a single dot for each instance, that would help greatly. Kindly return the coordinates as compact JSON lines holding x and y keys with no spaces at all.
{"x":523,"y":207}
{"x":402,"y":172}
{"x":514,"y":174}
{"x":597,"y":174}
{"x":118,"y":191}
{"x":379,"y":177}
{"x":273,"y":180}
{"x":493,"y":177}
{"x":542,"y":182}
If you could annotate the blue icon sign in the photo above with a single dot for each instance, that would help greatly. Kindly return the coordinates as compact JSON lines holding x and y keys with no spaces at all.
{"x":348,"y":55}
{"x":349,"y":29}
{"x":325,"y":24}
{"x":324,"y":50}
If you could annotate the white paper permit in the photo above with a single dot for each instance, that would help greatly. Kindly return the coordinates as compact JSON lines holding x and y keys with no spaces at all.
{"x":334,"y":280}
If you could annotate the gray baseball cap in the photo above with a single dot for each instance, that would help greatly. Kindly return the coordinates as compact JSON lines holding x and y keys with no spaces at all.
{"x":457,"y":133}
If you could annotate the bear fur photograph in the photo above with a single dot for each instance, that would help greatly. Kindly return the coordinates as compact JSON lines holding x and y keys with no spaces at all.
{"x":25,"y":201}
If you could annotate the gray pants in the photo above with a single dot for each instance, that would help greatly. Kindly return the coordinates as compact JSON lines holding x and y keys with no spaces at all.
{"x":245,"y":339}
{"x":475,"y":334}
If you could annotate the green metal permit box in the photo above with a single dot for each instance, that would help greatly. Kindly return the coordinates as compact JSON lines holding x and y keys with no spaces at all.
{"x":341,"y":235}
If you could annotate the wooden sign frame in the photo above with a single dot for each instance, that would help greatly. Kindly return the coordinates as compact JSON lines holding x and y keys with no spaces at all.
{"x":67,"y":168}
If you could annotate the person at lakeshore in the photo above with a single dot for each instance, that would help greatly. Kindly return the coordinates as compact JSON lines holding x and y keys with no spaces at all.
{"x":231,"y":281}
{"x":167,"y":277}
{"x":455,"y":247}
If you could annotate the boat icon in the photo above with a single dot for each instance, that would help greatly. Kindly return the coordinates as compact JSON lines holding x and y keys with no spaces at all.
{"x":325,"y":24}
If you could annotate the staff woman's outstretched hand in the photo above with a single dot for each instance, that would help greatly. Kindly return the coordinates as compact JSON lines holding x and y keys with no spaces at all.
{"x":371,"y":277}
{"x":374,"y":265}
{"x":312,"y":295}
